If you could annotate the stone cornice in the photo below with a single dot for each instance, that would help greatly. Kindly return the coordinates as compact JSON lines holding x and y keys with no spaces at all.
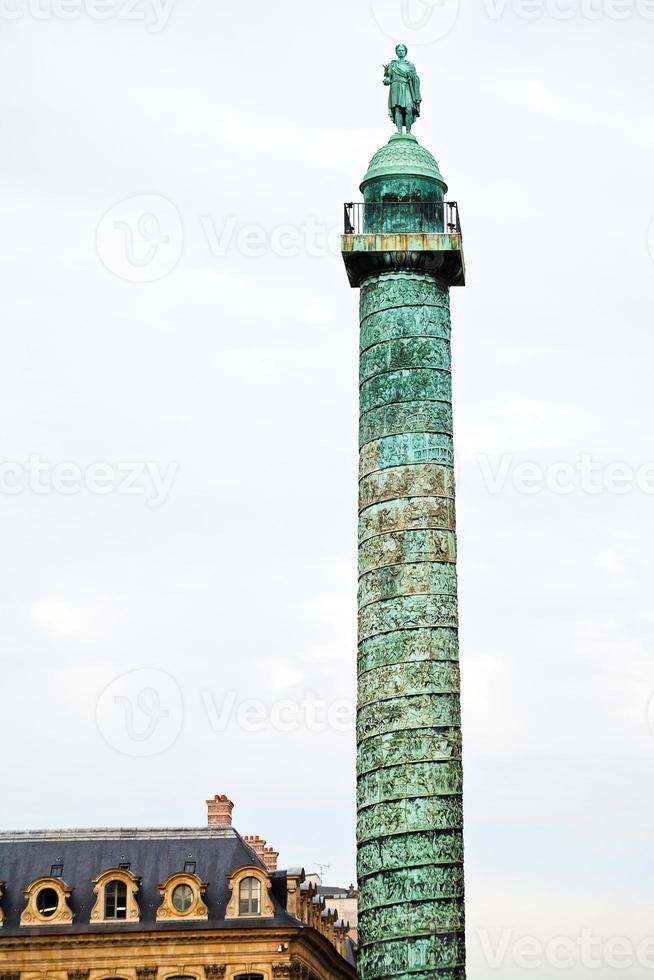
{"x":194,"y":935}
{"x":136,"y":941}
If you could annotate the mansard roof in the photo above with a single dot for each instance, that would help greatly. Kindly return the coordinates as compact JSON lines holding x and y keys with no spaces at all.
{"x":152,"y":854}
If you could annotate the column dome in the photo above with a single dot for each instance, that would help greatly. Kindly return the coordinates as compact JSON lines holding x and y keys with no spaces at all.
{"x":402,"y":156}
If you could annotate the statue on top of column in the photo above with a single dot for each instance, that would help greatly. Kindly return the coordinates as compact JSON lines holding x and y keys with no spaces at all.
{"x":404,"y":96}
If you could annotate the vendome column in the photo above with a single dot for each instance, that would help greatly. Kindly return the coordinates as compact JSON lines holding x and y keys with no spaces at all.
{"x":402,"y":248}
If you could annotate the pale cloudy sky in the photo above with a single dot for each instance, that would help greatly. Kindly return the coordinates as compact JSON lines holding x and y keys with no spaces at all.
{"x":223,"y":395}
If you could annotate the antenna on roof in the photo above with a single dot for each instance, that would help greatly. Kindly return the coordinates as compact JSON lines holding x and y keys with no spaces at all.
{"x":323,"y":868}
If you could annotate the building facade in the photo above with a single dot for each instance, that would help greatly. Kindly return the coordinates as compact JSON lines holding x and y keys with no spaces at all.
{"x":162,"y":904}
{"x":345,"y":901}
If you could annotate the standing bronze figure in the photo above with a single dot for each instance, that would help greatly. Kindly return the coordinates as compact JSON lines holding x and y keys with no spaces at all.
{"x":404,"y":97}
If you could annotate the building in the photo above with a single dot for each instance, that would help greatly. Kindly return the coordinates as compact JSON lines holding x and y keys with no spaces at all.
{"x":345,"y":901}
{"x":189,"y":904}
{"x":402,"y":249}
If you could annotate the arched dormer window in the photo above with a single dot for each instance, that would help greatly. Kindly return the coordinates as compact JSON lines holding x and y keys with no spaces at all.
{"x":115,"y":891}
{"x":250,"y":893}
{"x":47,"y":903}
{"x":249,"y":896}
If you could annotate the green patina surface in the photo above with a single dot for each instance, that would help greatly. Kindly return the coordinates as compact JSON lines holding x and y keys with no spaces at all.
{"x":409,"y":772}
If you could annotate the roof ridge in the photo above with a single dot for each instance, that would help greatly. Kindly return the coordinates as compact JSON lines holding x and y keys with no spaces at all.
{"x":116,"y":833}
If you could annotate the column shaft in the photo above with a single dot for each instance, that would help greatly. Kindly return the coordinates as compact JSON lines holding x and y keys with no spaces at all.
{"x":409,"y":775}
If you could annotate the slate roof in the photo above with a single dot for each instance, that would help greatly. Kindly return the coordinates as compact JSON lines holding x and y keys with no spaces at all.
{"x":153,"y":855}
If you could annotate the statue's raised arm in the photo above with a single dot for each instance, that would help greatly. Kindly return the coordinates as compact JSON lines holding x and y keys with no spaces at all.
{"x":404,"y":96}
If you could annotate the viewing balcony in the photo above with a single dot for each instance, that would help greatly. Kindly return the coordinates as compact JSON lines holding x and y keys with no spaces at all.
{"x":403,"y":236}
{"x":402,"y":217}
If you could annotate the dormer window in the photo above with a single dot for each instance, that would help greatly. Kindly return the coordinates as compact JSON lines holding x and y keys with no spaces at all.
{"x":115,"y":900}
{"x":250,"y":893}
{"x":182,"y":897}
{"x":47,"y":903}
{"x":249,"y":896}
{"x":116,"y":891}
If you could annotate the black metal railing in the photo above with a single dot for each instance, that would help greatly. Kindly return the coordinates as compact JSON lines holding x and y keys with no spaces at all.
{"x":398,"y":217}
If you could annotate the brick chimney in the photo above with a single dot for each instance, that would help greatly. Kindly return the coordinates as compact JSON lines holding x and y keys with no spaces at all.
{"x":270,"y":856}
{"x":257,"y":844}
{"x":219,"y":811}
{"x":267,"y":854}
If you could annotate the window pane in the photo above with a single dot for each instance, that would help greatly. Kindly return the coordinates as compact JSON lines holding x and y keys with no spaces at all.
{"x":249,"y":896}
{"x":115,"y":900}
{"x":182,"y":897}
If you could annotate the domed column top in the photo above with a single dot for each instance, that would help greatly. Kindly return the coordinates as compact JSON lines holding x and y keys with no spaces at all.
{"x":404,"y":220}
{"x":402,"y":167}
{"x":403,"y":170}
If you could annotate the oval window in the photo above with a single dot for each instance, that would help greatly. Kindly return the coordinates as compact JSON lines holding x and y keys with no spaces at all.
{"x":47,"y":902}
{"x":182,"y":897}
